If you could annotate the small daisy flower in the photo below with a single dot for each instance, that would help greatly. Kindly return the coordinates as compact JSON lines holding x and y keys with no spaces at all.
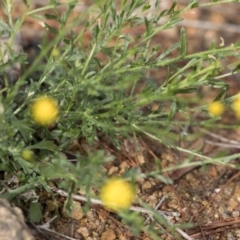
{"x":28,"y":155}
{"x":236,"y":107}
{"x":117,"y":194}
{"x":55,"y":52}
{"x":44,"y":111}
{"x":215,"y":108}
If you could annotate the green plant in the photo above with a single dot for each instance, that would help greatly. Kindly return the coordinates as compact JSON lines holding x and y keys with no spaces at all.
{"x":96,"y":91}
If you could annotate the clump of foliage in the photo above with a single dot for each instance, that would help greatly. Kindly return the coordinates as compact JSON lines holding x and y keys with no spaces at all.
{"x":92,"y":90}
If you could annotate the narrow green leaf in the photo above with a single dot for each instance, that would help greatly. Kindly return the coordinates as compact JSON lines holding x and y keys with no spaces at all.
{"x":26,"y":3}
{"x":146,"y":24}
{"x":185,"y":90}
{"x":172,"y":111}
{"x":236,"y":69}
{"x":23,"y":127}
{"x":124,"y":3}
{"x":212,"y":46}
{"x":35,"y":212}
{"x":221,"y":94}
{"x":66,"y":14}
{"x":194,"y":4}
{"x":168,"y":50}
{"x":66,"y":41}
{"x":51,"y":29}
{"x":96,"y":32}
{"x":172,"y":7}
{"x":54,"y":2}
{"x":50,"y":16}
{"x":44,"y":144}
{"x":146,"y":7}
{"x":183,"y":48}
{"x":13,"y":193}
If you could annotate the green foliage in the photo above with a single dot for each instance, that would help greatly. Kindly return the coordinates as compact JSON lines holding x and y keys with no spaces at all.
{"x":96,"y":90}
{"x":35,"y":212}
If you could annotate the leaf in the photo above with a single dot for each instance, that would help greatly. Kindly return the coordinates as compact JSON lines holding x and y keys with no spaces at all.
{"x":212,"y":46}
{"x":44,"y":144}
{"x":66,"y":41}
{"x":51,"y":29}
{"x":35,"y":212}
{"x":183,"y":48}
{"x":172,"y":7}
{"x":50,"y":16}
{"x":13,"y":193}
{"x":193,"y":4}
{"x":54,"y":2}
{"x":146,"y":23}
{"x":107,"y":50}
{"x":168,"y":50}
{"x":66,"y":14}
{"x":146,"y":7}
{"x":163,"y":179}
{"x":172,"y":111}
{"x":26,"y":3}
{"x":222,"y":92}
{"x":236,"y":69}
{"x":68,"y":203}
{"x":96,"y":32}
{"x":185,"y":90}
{"x":23,"y":127}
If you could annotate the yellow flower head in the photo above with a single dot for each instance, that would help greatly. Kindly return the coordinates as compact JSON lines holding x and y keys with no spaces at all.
{"x":215,"y":108}
{"x":117,"y":194}
{"x":236,"y":107}
{"x":44,"y":111}
{"x":28,"y":155}
{"x":55,"y":52}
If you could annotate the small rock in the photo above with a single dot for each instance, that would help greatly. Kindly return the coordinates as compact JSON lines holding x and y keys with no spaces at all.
{"x":146,"y":185}
{"x":97,"y":222}
{"x":84,"y":231}
{"x":230,"y":236}
{"x":232,"y":205}
{"x":109,"y":234}
{"x":123,"y":167}
{"x":122,"y":237}
{"x":173,"y":204}
{"x":95,"y":234}
{"x":190,"y":178}
{"x":92,"y":238}
{"x":51,"y":205}
{"x":12,"y":225}
{"x":77,"y":212}
{"x":141,"y":159}
{"x":235,"y":214}
{"x":91,"y":214}
{"x":205,"y":203}
{"x":112,"y":170}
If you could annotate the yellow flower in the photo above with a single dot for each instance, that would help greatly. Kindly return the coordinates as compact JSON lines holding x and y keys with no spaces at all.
{"x":28,"y":155}
{"x":236,"y":107}
{"x":117,"y":194}
{"x":55,"y":52}
{"x":215,"y":108}
{"x":44,"y":111}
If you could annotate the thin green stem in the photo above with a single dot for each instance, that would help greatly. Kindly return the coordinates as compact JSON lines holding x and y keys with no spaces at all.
{"x":217,"y":3}
{"x":89,"y":59}
{"x":174,"y":147}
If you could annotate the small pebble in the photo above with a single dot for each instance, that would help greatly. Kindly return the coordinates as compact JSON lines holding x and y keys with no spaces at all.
{"x":84,"y":231}
{"x":235,"y":214}
{"x":109,"y":234}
